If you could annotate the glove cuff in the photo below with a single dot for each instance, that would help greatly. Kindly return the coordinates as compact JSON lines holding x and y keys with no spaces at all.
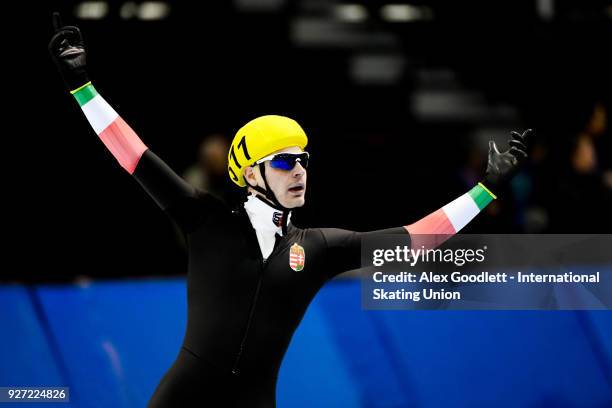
{"x":76,"y":80}
{"x":494,"y":182}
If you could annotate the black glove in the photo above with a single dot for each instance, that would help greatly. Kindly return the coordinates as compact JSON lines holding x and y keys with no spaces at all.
{"x":68,"y":52}
{"x":502,"y":166}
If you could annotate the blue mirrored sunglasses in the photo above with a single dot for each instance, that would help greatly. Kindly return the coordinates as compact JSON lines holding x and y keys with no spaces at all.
{"x":286,"y":161}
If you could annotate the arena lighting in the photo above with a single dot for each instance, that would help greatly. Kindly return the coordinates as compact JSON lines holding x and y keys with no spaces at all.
{"x":128,"y":10}
{"x":458,"y":105}
{"x":148,"y":10}
{"x":91,"y":10}
{"x":379,"y":69}
{"x":259,"y":5}
{"x":405,"y":13}
{"x":153,"y":10}
{"x":325,"y":32}
{"x":351,"y":13}
{"x":546,"y":9}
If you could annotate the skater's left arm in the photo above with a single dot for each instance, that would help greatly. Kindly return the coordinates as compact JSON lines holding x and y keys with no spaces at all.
{"x":435,"y":228}
{"x":344,"y":247}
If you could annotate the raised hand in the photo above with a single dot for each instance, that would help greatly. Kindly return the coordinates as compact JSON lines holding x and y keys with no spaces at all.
{"x":67,"y":50}
{"x":501,"y":166}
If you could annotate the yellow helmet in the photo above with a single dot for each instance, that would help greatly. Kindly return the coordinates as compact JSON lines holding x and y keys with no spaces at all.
{"x":259,"y":138}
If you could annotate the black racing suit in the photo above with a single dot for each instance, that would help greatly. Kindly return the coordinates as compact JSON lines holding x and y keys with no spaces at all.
{"x":242,"y":311}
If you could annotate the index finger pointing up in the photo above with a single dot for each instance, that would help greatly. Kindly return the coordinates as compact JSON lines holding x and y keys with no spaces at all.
{"x":57,"y":21}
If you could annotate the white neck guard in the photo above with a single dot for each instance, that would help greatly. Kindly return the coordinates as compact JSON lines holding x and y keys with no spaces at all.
{"x":263,"y":217}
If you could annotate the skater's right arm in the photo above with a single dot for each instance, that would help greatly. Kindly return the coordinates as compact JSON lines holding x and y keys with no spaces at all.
{"x":174,"y":195}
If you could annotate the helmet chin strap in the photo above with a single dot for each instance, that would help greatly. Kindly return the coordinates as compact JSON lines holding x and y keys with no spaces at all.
{"x":270,"y":197}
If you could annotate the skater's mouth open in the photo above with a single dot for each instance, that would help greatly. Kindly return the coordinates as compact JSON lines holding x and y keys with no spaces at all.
{"x":297,"y":188}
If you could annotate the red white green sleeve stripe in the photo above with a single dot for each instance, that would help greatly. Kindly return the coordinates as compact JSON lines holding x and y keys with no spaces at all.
{"x":438,"y":226}
{"x":117,"y":136}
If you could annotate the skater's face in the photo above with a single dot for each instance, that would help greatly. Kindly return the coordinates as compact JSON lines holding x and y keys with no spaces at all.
{"x":289,"y":186}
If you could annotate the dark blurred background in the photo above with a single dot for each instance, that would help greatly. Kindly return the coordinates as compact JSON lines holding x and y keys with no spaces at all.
{"x":399,"y":102}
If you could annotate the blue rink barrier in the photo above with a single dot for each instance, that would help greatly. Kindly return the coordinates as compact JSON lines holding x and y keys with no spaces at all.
{"x":111,"y":342}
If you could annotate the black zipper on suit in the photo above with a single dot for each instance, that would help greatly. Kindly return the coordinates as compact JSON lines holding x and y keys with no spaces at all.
{"x":235,"y":369}
{"x":262,"y":266}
